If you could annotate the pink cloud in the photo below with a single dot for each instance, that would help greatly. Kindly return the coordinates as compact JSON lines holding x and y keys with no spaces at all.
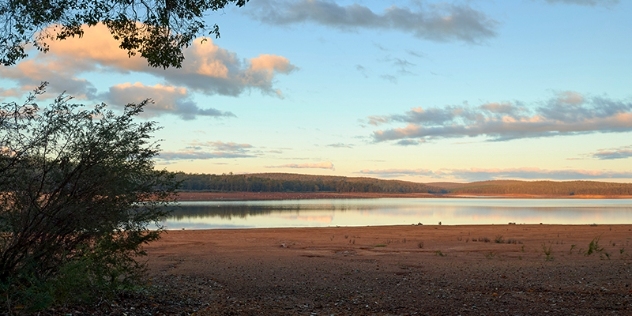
{"x":207,"y":68}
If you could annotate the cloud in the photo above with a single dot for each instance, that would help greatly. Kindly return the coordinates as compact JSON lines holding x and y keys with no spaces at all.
{"x":61,"y":76}
{"x":316,"y":165}
{"x":409,"y":142}
{"x":586,"y":2}
{"x":209,"y":150}
{"x":403,"y":65}
{"x":390,"y":78}
{"x":390,"y":173}
{"x":613,"y":153}
{"x":567,"y":113}
{"x":166,"y":100}
{"x":442,"y":22}
{"x":482,"y":174}
{"x":340,"y":145}
{"x":476,"y":174}
{"x":362,"y":70}
{"x":207,"y":68}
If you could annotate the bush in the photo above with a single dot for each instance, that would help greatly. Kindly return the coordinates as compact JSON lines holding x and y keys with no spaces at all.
{"x":78,"y":196}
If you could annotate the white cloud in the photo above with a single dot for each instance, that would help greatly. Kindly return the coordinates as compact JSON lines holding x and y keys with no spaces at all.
{"x":441,"y":22}
{"x":568,"y":113}
{"x":586,"y":2}
{"x":613,"y":153}
{"x":390,"y":173}
{"x":209,"y":150}
{"x":340,"y":145}
{"x":166,"y":100}
{"x":315,"y":165}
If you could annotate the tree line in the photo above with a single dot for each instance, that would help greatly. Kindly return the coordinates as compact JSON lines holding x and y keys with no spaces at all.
{"x":286,"y":182}
{"x":293,"y":183}
{"x":559,"y":188}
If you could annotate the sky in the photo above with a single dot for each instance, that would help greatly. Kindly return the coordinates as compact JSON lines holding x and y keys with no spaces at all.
{"x":425,"y":91}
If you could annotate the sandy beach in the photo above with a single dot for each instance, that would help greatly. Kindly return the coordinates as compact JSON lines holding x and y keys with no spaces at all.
{"x":400,"y":270}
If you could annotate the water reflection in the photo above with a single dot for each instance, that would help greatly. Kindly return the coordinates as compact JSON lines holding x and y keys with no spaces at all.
{"x":361,"y":212}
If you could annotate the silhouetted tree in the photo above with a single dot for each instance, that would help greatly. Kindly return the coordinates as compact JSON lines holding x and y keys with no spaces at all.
{"x":158,"y":30}
{"x":79,"y":196}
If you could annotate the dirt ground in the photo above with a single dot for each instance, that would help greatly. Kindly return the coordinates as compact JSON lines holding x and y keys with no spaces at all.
{"x":400,"y":270}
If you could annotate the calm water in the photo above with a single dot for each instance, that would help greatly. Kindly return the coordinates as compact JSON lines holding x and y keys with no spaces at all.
{"x":362,"y":212}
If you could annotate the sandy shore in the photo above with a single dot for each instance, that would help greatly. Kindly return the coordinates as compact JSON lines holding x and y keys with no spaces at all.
{"x":402,"y":270}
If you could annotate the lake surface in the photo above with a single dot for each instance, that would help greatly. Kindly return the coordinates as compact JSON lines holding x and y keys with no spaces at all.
{"x":397,"y":211}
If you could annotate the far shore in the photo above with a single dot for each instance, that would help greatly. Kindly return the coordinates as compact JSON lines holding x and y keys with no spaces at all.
{"x":257,"y":196}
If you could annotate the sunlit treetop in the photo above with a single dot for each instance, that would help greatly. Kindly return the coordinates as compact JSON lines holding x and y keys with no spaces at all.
{"x":157,"y":30}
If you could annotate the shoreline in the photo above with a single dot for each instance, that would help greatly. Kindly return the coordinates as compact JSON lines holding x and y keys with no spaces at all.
{"x":270,"y":196}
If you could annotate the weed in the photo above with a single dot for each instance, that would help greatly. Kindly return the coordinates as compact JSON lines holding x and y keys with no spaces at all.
{"x":490,"y":255}
{"x":439,"y":253}
{"x":499,"y":239}
{"x":522,"y":248}
{"x":593,"y":247}
{"x":485,"y":239}
{"x":380,"y":245}
{"x":420,"y":245}
{"x":571,"y":250}
{"x":548,"y":252}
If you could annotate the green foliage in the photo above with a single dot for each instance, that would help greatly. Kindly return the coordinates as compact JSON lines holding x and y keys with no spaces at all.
{"x":594,"y":247}
{"x":157,"y":30}
{"x":548,"y":252}
{"x":78,"y":196}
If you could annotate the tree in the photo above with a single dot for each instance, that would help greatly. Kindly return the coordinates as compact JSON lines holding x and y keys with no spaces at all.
{"x":158,"y":30}
{"x":79,"y":196}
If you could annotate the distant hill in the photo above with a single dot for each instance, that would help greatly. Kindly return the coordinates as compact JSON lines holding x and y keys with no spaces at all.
{"x":559,"y":188}
{"x":291,"y":182}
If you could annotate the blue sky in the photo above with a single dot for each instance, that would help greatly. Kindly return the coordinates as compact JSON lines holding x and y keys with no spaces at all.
{"x":414,"y":90}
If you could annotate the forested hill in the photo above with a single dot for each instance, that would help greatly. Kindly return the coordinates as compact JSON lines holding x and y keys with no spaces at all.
{"x":557,"y":188}
{"x":287,"y":182}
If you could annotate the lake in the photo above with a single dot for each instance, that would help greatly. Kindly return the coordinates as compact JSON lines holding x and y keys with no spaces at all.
{"x":397,"y":211}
